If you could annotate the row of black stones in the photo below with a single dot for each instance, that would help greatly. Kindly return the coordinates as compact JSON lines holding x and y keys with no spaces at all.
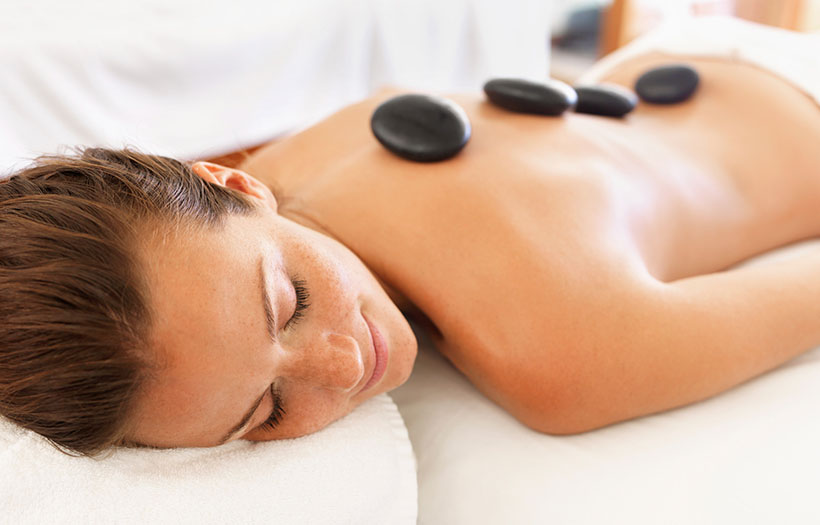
{"x":669,"y":84}
{"x":553,"y":97}
{"x":427,"y":128}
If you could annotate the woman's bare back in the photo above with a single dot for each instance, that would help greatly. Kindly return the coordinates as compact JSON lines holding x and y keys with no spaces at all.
{"x":675,"y":191}
{"x":540,"y":220}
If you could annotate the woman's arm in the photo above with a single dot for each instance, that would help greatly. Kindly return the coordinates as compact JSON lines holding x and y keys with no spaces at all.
{"x":671,"y":344}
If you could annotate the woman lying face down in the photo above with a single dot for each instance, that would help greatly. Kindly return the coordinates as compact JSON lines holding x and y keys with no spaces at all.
{"x":575,"y":269}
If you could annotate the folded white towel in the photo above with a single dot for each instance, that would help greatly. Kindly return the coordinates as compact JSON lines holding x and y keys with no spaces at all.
{"x":358,"y":470}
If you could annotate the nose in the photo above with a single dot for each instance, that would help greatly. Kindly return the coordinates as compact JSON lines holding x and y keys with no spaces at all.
{"x":331,"y":361}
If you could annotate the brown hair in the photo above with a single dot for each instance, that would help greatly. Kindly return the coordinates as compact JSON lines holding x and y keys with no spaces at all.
{"x":74,"y":309}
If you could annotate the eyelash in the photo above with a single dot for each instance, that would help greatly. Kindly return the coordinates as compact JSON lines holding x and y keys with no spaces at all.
{"x":302,"y":296}
{"x":276,"y":415}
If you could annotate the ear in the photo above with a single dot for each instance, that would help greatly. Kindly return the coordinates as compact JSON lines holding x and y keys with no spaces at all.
{"x":234,"y":179}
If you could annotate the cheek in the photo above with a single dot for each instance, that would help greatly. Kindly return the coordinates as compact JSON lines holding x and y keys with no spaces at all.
{"x":404,"y":356}
{"x":305,"y":413}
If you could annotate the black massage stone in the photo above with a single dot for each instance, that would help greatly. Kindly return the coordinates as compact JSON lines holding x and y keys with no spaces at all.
{"x":667,"y":84}
{"x":551,"y":97}
{"x":608,"y":100}
{"x":422,"y":128}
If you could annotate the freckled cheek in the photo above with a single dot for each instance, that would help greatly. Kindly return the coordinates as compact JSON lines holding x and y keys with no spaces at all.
{"x":312,"y":412}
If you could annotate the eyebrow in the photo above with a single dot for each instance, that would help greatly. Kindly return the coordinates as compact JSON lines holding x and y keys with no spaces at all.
{"x":270,"y":325}
{"x":270,"y":320}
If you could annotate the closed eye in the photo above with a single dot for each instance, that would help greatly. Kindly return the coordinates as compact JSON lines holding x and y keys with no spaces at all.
{"x":275,"y":417}
{"x":302,"y":304}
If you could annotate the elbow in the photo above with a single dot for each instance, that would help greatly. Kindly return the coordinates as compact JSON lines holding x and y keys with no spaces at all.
{"x":553,"y":421}
{"x":558,"y":406}
{"x":555,"y":424}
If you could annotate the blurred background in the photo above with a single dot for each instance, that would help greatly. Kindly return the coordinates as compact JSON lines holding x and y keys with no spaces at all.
{"x":583,"y":31}
{"x":209,"y":78}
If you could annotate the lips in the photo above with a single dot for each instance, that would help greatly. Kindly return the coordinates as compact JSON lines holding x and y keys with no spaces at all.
{"x":379,"y":355}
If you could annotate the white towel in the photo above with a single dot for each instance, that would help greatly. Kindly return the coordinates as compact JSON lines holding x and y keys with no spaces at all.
{"x":791,"y":55}
{"x":359,"y":470}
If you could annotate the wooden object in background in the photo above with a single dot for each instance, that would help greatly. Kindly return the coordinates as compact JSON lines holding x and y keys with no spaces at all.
{"x":614,"y":26}
{"x":796,"y":15}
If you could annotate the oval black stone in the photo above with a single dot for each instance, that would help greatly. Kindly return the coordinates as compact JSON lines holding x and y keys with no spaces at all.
{"x":422,"y":128}
{"x":551,"y":97}
{"x":609,"y":100}
{"x":667,"y":84}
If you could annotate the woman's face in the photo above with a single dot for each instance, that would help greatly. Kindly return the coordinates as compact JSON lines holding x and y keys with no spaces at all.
{"x":260,"y":313}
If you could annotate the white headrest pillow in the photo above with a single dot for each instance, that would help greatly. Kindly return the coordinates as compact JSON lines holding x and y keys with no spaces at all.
{"x":360,"y":469}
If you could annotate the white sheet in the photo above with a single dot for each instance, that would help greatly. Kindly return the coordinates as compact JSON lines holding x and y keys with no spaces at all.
{"x":747,"y":456}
